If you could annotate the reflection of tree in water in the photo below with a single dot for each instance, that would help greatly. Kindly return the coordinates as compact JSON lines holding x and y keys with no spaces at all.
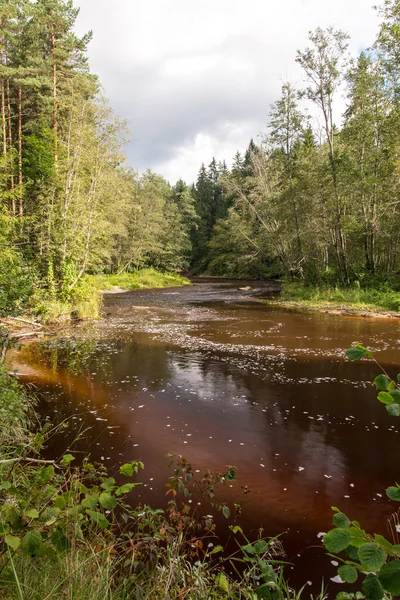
{"x":72,"y":354}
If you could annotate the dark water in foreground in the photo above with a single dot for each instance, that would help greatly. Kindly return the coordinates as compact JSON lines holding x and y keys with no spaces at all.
{"x":212,"y":374}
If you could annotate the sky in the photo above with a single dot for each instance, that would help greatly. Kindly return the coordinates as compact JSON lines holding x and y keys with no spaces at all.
{"x":195,"y":78}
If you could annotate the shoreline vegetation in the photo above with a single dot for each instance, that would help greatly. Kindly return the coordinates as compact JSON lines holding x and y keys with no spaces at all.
{"x":381,"y":301}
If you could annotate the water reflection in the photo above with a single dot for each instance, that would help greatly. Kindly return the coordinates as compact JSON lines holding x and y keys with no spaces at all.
{"x":223,"y":380}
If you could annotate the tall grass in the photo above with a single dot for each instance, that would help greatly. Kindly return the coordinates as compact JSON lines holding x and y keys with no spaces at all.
{"x":142,"y":279}
{"x":382,"y":297}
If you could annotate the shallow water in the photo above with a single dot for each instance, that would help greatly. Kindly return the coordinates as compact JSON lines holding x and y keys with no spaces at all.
{"x":211,"y":373}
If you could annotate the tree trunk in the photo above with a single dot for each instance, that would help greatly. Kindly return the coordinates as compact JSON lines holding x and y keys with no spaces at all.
{"x":10,"y":145}
{"x":54,"y":94}
{"x":20,"y":192}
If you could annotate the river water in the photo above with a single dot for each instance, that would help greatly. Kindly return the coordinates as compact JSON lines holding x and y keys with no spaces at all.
{"x":210,"y":372}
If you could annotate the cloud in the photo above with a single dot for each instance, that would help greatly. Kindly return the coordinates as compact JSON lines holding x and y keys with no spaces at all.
{"x":195,"y":79}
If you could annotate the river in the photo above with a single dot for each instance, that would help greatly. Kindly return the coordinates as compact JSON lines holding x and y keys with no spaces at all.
{"x":210,"y":372}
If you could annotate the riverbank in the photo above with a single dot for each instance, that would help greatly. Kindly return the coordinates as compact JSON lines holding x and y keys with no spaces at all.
{"x":381,"y":303}
{"x":138,"y":280}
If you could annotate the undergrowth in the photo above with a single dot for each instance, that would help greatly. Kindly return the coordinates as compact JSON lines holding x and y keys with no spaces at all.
{"x":141,"y":279}
{"x":381,"y":297}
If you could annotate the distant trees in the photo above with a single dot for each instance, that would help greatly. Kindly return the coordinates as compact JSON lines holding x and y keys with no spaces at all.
{"x":315,"y":200}
{"x":68,"y":203}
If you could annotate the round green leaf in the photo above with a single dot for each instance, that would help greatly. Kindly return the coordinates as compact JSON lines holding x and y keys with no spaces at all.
{"x":67,"y":459}
{"x":31,"y":542}
{"x":126,"y":469}
{"x":382,"y":382}
{"x":356,"y":353}
{"x":393,"y":493}
{"x":340,"y":520}
{"x":395,"y":395}
{"x":90,"y":501}
{"x":393,"y":409}
{"x":337,"y":540}
{"x":13,"y":541}
{"x":348,"y":574}
{"x":385,"y":398}
{"x":98,"y":518}
{"x":389,"y":577}
{"x":371,"y":556}
{"x":372,"y":587}
{"x":107,"y":501}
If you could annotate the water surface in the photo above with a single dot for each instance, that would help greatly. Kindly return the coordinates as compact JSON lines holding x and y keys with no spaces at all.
{"x":211,"y":373}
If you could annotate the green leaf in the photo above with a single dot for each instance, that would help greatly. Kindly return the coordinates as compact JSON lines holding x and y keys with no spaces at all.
{"x":356,"y":353}
{"x":389,"y":576}
{"x":393,"y":409}
{"x":32,"y":513}
{"x":398,"y":377}
{"x":216,"y":550}
{"x":237,"y":529}
{"x":60,"y":541}
{"x":395,"y":395}
{"x":341,"y":521}
{"x":393,"y":492}
{"x":107,"y":501}
{"x":352,"y":552}
{"x":125,"y":489}
{"x":385,"y":398}
{"x":108,"y":484}
{"x":31,"y":542}
{"x":261,"y":547}
{"x":226,"y":512}
{"x":383,"y":543}
{"x":382,"y":382}
{"x":392,"y":386}
{"x":222,"y":581}
{"x":49,"y":515}
{"x":337,"y":540}
{"x":230,"y":475}
{"x":13,"y":541}
{"x":45,"y":475}
{"x":348,"y":574}
{"x":4,"y":528}
{"x":249,"y":549}
{"x":67,"y":459}
{"x":5,"y":485}
{"x":60,"y":502}
{"x":90,"y":501}
{"x":371,"y":556}
{"x":127,"y":470}
{"x":98,"y":518}
{"x":372,"y":587}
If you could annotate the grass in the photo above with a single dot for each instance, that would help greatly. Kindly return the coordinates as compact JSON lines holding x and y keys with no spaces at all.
{"x":354,"y":299}
{"x":142,"y":279}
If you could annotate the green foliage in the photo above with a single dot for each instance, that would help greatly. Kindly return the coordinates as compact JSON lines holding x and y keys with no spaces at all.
{"x":356,"y":297}
{"x":141,"y":279}
{"x":373,"y":557}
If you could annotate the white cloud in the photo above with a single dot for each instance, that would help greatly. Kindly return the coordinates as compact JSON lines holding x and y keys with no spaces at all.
{"x":181,"y":70}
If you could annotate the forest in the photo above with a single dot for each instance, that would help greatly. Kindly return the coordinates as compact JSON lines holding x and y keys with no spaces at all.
{"x":312,"y":201}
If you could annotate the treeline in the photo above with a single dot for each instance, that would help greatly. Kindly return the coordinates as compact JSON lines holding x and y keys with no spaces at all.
{"x":313,"y":200}
{"x":68,"y":202}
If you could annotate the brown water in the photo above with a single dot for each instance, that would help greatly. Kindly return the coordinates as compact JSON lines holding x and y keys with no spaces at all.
{"x":211,"y":373}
